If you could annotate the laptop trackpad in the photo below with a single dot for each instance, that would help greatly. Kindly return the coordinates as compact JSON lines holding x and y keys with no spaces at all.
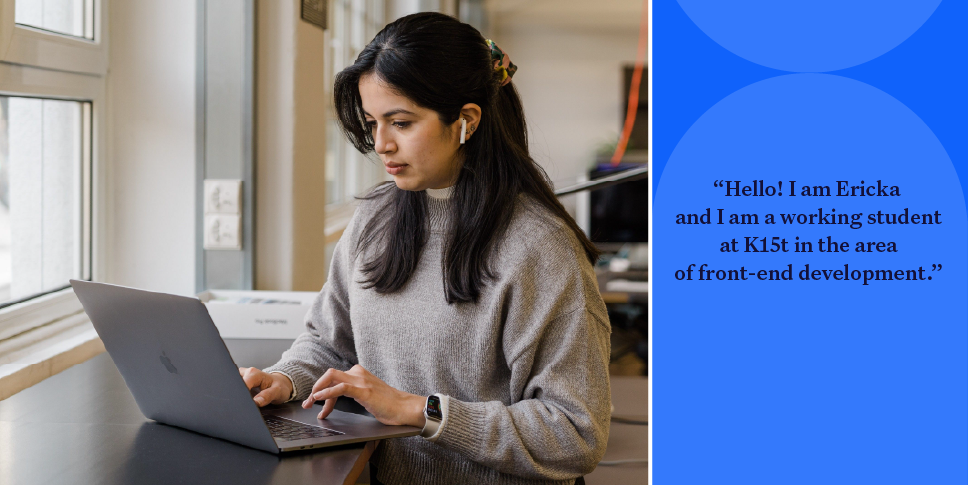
{"x":349,"y":405}
{"x":341,"y":421}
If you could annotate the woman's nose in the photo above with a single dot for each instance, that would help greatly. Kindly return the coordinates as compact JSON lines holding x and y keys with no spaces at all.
{"x":381,"y":143}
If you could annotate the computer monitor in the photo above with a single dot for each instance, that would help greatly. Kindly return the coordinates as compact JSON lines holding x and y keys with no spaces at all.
{"x":620,"y":213}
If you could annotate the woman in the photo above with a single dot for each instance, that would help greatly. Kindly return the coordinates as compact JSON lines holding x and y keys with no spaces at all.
{"x":465,"y":278}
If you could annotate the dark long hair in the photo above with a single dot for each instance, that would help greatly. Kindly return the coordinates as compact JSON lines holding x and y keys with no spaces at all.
{"x":442,"y":64}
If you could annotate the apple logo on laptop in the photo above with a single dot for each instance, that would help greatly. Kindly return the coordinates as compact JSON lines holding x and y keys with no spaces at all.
{"x":168,"y":365}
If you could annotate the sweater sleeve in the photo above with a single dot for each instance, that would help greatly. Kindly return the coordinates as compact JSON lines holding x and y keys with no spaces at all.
{"x":556,"y":339}
{"x":328,"y":339}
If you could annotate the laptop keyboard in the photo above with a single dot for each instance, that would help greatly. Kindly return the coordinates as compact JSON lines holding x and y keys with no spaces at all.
{"x":288,"y":429}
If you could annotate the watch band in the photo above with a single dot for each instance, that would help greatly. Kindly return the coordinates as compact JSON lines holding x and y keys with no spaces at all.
{"x":430,"y":428}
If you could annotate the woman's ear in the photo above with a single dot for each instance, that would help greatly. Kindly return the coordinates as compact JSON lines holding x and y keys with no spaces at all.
{"x":472,"y":113}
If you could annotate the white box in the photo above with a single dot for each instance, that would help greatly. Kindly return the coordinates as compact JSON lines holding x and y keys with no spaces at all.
{"x":258,"y":314}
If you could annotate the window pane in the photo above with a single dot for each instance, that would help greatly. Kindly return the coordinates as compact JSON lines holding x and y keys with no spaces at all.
{"x":71,"y":17}
{"x":359,"y":35}
{"x":348,"y":173}
{"x":41,"y":194}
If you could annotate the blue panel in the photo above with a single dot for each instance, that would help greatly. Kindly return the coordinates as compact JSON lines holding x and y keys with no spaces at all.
{"x":810,"y":380}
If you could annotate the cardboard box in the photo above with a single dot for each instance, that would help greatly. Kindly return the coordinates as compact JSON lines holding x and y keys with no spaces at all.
{"x":258,"y":314}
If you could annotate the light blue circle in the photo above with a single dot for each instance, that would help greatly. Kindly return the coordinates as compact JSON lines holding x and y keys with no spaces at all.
{"x":819,"y":368}
{"x":809,"y":36}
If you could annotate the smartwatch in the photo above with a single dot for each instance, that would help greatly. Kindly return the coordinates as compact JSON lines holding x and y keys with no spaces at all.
{"x":434,"y":416}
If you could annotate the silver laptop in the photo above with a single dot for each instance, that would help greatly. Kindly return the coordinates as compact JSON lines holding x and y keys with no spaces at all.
{"x":177,"y":367}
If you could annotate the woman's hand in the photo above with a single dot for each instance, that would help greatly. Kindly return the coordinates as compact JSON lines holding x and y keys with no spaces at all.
{"x":386,"y":404}
{"x":276,"y":388}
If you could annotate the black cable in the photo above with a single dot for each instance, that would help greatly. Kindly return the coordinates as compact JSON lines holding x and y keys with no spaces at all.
{"x":623,"y":176}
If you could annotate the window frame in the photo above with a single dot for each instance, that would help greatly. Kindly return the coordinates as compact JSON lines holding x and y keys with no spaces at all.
{"x":30,"y":46}
{"x":35,"y":63}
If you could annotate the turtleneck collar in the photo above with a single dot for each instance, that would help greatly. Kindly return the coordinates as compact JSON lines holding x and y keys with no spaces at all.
{"x":438,"y":208}
{"x":443,"y":193}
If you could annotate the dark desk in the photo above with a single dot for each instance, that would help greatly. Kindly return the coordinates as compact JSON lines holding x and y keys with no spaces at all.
{"x":83,"y":426}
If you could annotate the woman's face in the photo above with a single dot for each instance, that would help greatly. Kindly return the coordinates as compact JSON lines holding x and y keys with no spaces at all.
{"x":417,"y":149}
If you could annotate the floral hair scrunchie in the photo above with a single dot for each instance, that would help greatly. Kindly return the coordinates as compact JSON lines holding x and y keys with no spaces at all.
{"x":502,"y":62}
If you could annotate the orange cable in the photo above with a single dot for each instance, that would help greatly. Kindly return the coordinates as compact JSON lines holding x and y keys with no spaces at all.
{"x":634,"y":88}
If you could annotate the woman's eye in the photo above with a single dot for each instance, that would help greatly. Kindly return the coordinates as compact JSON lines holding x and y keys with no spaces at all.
{"x":399,"y":124}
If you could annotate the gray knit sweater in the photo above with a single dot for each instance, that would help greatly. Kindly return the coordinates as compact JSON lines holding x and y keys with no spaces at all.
{"x":525,"y":368}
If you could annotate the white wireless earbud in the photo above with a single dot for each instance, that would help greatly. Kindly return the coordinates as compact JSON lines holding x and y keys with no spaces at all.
{"x":463,"y":130}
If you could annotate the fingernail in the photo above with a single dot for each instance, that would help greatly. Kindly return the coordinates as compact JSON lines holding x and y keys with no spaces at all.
{"x":258,"y":401}
{"x":320,"y":416}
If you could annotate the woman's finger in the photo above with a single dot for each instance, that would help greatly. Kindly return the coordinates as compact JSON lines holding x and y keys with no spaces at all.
{"x":264,"y":397}
{"x":330,"y":377}
{"x":267,"y":380}
{"x":327,"y":408}
{"x":341,"y":389}
{"x":251,"y":377}
{"x":332,"y":394}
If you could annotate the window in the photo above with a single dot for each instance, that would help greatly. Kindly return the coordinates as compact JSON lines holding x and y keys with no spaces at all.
{"x":53,"y":62}
{"x":352,"y":23}
{"x":44,"y":186}
{"x":69,"y":17}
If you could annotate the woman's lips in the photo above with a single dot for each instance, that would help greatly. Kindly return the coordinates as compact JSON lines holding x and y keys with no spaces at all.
{"x":395,"y":168}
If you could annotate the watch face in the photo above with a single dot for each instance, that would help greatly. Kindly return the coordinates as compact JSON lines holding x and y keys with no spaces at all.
{"x":433,"y":408}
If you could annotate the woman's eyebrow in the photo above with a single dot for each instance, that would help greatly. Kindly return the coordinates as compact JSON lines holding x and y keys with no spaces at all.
{"x":392,"y":112}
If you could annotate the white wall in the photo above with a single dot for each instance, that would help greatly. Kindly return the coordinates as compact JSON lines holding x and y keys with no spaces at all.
{"x":400,"y":8}
{"x":570,"y":54}
{"x":151,"y":145}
